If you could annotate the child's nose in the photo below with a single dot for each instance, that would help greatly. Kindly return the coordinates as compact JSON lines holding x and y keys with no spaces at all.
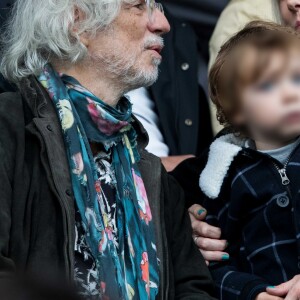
{"x":293,"y":5}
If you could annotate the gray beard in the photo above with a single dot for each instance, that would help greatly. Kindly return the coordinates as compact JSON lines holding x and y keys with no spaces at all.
{"x":126,"y":73}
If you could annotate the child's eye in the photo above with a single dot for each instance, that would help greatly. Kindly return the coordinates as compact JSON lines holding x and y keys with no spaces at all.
{"x":266,"y":86}
{"x":296,"y":78}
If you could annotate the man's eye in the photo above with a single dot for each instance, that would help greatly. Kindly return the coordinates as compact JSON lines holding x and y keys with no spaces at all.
{"x":140,"y":6}
{"x":266,"y":86}
{"x":296,"y":79}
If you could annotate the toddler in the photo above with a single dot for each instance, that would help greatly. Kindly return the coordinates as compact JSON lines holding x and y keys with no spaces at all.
{"x":251,"y":182}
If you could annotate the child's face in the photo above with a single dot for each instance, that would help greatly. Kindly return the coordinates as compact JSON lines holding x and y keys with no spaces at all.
{"x":270,"y":107}
{"x":290,"y":12}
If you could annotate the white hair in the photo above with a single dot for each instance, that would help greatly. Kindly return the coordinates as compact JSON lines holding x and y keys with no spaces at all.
{"x":39,"y":31}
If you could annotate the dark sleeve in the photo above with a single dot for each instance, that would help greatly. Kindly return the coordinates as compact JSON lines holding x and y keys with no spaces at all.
{"x":234,"y":285}
{"x":6,"y":264}
{"x":187,"y":174}
{"x":230,"y":282}
{"x":192,"y":279}
{"x":10,"y":104}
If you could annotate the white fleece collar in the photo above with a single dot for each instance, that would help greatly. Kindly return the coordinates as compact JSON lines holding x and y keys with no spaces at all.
{"x":221,"y":154}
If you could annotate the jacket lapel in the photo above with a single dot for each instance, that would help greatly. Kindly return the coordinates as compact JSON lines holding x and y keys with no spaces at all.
{"x":45,"y":125}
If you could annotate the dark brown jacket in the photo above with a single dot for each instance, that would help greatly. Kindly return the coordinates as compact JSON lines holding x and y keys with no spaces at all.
{"x":37,"y":205}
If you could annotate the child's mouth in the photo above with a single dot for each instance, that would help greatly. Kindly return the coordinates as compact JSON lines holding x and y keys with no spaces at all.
{"x":292,"y":117}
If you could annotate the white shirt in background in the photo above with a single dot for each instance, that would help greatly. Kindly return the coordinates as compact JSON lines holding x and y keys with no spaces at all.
{"x":144,"y":109}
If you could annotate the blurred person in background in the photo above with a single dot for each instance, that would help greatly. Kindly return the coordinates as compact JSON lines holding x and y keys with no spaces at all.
{"x":79,"y":194}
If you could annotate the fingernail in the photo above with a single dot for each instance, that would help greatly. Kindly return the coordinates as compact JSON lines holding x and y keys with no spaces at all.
{"x":227,"y":244}
{"x":225,"y":257}
{"x":271,"y":287}
{"x":201,"y":211}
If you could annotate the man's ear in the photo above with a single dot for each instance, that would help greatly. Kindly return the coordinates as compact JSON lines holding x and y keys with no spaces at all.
{"x":79,"y":17}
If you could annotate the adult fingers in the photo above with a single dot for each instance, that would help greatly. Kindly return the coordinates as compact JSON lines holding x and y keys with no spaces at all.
{"x":282,"y":289}
{"x":205,"y":230}
{"x":266,"y":296}
{"x":197,"y":212}
{"x":294,"y":293}
{"x":210,"y":244}
{"x":214,"y":255}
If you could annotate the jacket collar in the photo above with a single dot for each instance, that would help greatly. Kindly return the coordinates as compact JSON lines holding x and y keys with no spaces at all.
{"x":143,"y":137}
{"x":221,"y":155}
{"x":41,"y":106}
{"x":36,"y":97}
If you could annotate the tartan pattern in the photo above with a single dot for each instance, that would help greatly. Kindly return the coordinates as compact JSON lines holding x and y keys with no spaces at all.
{"x":260,"y":218}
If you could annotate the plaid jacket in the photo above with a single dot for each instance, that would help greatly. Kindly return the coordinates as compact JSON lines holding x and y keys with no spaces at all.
{"x":255,"y":201}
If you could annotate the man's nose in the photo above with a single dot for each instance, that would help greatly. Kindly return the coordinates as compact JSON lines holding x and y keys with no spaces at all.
{"x":160,"y":24}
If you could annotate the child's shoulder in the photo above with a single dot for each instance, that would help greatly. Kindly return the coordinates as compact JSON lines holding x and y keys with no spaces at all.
{"x":225,"y":160}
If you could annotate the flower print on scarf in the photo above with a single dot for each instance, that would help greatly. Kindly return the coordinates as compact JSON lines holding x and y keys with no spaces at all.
{"x":98,"y":187}
{"x":66,"y":114}
{"x":78,"y":164}
{"x":101,"y":119}
{"x":130,"y":292}
{"x":145,"y":271}
{"x":103,"y":243}
{"x":131,"y":249}
{"x":145,"y":211}
{"x":129,"y":147}
{"x":92,"y":219}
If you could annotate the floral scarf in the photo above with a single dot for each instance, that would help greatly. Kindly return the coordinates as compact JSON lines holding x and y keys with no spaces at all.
{"x":130,"y":269}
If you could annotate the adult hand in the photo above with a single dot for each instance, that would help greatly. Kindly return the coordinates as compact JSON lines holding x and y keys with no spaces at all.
{"x":289,"y":290}
{"x":171,"y":162}
{"x":207,"y":237}
{"x":266,"y":296}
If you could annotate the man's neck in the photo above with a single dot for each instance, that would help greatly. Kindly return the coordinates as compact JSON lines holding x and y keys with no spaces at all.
{"x":101,"y":85}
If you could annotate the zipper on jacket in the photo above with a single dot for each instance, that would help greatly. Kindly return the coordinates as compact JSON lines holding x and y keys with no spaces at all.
{"x":284,"y":178}
{"x":282,"y":172}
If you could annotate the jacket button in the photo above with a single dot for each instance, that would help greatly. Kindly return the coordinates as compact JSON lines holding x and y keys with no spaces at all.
{"x":185,"y":66}
{"x":188,"y":122}
{"x":69,"y":192}
{"x":283,"y":201}
{"x":49,"y":127}
{"x":183,"y":24}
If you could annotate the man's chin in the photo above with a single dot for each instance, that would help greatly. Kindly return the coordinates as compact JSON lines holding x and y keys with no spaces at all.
{"x":156,"y":61}
{"x":146,"y":77}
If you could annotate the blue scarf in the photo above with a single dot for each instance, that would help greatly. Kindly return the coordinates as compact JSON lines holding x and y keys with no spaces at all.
{"x":128,"y":270}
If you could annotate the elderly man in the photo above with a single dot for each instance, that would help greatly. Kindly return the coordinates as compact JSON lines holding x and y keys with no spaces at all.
{"x":79,"y":194}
